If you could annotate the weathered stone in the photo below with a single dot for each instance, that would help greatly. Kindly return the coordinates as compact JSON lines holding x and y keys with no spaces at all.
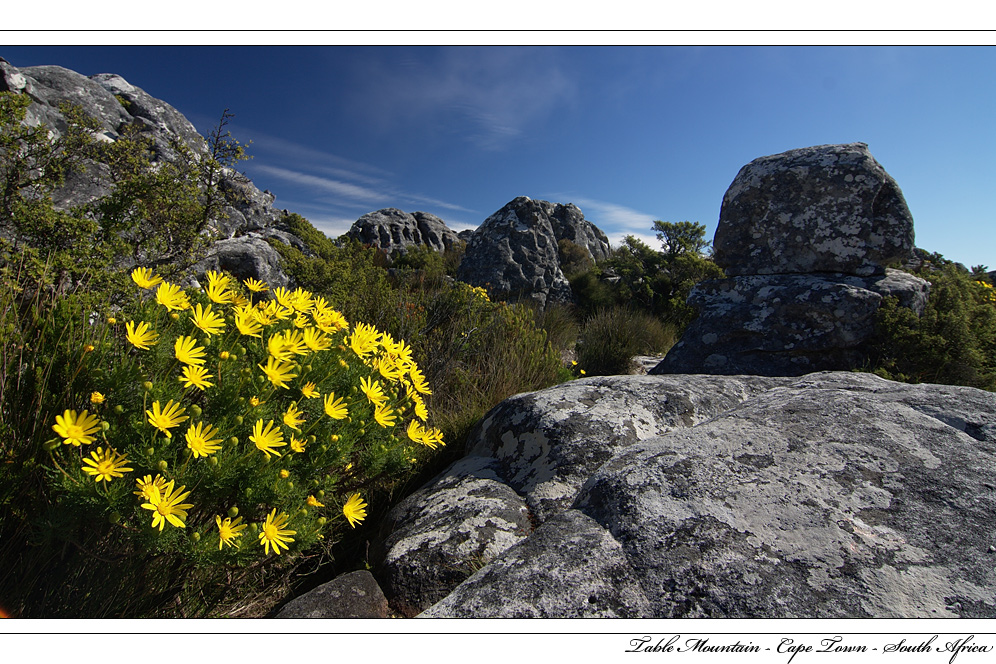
{"x":515,"y":254}
{"x":350,"y":595}
{"x":396,"y":232}
{"x":841,"y":495}
{"x":435,"y":538}
{"x":828,"y":208}
{"x":785,"y":325}
{"x":569,"y":568}
{"x":547,"y":443}
{"x":245,"y":256}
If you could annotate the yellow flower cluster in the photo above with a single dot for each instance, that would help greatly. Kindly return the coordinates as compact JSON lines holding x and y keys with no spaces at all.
{"x":288,"y":331}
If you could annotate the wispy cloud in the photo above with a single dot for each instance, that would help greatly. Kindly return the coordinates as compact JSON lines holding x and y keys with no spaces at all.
{"x":488,"y":96}
{"x":336,"y":187}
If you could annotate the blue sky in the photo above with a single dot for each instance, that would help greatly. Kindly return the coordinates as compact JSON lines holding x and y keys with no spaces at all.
{"x":629,"y":134}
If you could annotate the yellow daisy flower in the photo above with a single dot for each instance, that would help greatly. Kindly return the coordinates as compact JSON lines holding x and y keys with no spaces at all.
{"x":166,"y":419}
{"x":229,"y":531}
{"x":194,"y":376}
{"x":255,"y":285}
{"x":274,"y":534}
{"x":166,"y":506}
{"x":172,"y":297}
{"x":418,"y":381}
{"x":208,"y":321}
{"x":76,"y":429}
{"x":141,"y":336}
{"x":187,"y":350}
{"x":336,"y":408}
{"x":310,"y":390}
{"x":266,"y":439}
{"x":284,"y":297}
{"x":384,"y":415}
{"x":354,"y":510}
{"x":373,"y":390}
{"x":146,"y":484}
{"x":296,"y":444}
{"x":293,"y":417}
{"x":313,"y":502}
{"x":144,"y":277}
{"x":363,"y":340}
{"x":201,"y":439}
{"x":278,"y":372}
{"x":97,"y":398}
{"x":104,"y":466}
{"x":248,"y":325}
{"x":316,"y":340}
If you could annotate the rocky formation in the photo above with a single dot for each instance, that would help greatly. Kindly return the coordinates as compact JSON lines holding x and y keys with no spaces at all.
{"x":830,"y":495}
{"x":351,"y":595}
{"x":514,"y":253}
{"x":806,"y":237}
{"x":395,"y":232}
{"x":246,"y":219}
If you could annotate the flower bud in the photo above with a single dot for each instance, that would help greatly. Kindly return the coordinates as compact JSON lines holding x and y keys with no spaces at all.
{"x":311,"y":439}
{"x":212,"y":461}
{"x":105,"y":426}
{"x":322,"y":521}
{"x":114,"y":517}
{"x":239,"y":419}
{"x":315,"y":482}
{"x":175,"y":316}
{"x":162,"y":465}
{"x":290,"y":485}
{"x":118,"y":409}
{"x":307,"y":367}
{"x":303,"y":511}
{"x":224,"y":355}
{"x":195,"y":410}
{"x":149,"y":451}
{"x":51,"y":445}
{"x":284,"y":473}
{"x":233,"y":512}
{"x":111,"y":320}
{"x":321,"y":493}
{"x":234,"y":440}
{"x":334,"y":438}
{"x":196,"y":536}
{"x":253,"y":528}
{"x":147,"y":385}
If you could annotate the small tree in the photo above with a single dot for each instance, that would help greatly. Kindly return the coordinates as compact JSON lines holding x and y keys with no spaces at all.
{"x":682,"y":237}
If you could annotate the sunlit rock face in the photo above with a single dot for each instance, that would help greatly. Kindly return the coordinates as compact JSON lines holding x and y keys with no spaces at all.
{"x":805,"y":238}
{"x":514,"y":253}
{"x":828,"y":208}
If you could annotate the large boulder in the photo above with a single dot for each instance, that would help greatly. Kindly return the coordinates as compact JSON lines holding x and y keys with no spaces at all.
{"x":515,"y":252}
{"x":828,"y":208}
{"x":827,"y":496}
{"x":396,"y":232}
{"x":527,"y":461}
{"x":350,"y":595}
{"x":804,"y":237}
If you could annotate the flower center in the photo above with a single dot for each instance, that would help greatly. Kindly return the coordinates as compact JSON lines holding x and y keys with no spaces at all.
{"x":74,"y":431}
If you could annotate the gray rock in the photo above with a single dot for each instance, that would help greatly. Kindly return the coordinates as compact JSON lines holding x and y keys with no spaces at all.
{"x":786,"y":325}
{"x":828,"y":496}
{"x":804,"y":237}
{"x":350,"y":595}
{"x":569,"y":568}
{"x":245,"y":256}
{"x":514,"y":253}
{"x":841,"y":495}
{"x":438,"y":536}
{"x":547,"y":443}
{"x":828,"y":208}
{"x":396,"y":232}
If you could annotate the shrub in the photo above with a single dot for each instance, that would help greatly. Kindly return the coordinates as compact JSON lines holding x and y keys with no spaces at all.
{"x":611,"y":337}
{"x":953,"y":342}
{"x":191,"y":443}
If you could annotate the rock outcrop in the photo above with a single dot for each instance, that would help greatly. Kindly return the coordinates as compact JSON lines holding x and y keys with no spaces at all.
{"x":515,"y":254}
{"x":116,"y":104}
{"x":805,"y":237}
{"x":350,"y":595}
{"x":826,"y":496}
{"x":396,"y":232}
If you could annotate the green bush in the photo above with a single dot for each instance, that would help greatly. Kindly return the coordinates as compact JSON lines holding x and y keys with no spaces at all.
{"x":192,"y":439}
{"x":611,"y":337}
{"x":953,"y":342}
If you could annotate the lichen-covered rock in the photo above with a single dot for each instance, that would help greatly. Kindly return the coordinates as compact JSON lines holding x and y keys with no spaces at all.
{"x":245,"y":256}
{"x":569,"y":568}
{"x":828,"y":208}
{"x":515,"y":253}
{"x":437,"y":537}
{"x":350,"y":595}
{"x":547,"y":443}
{"x":396,"y":232}
{"x":841,"y":495}
{"x":828,"y":496}
{"x":786,"y":325}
